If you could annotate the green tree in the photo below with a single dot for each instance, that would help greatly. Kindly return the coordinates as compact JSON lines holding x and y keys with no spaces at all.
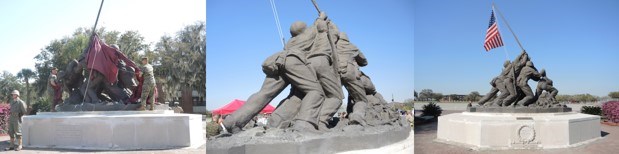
{"x":181,"y":63}
{"x":437,"y":96}
{"x":26,"y":74}
{"x":425,"y":94}
{"x":614,"y":94}
{"x":8,"y":83}
{"x":473,"y":96}
{"x":131,"y":43}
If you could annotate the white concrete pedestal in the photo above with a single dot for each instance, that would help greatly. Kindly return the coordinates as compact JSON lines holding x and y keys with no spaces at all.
{"x":113,"y":130}
{"x":518,"y":130}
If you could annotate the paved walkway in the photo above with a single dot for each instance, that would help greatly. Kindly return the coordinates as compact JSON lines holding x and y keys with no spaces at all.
{"x":4,"y":143}
{"x":426,"y":133}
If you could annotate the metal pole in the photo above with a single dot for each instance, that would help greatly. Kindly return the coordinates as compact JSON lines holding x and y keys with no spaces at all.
{"x":88,"y":50}
{"x":508,"y":27}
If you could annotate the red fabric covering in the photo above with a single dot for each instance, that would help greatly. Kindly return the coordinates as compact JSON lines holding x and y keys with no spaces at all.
{"x":236,"y":104}
{"x":104,"y":59}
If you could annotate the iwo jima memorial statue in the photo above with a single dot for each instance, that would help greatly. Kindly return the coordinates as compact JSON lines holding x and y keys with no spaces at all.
{"x":317,"y":61}
{"x":105,"y":90}
{"x":513,"y":116}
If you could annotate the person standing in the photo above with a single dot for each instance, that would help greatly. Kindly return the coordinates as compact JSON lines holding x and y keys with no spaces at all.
{"x":148,"y":85}
{"x":54,"y":89}
{"x":18,"y":109}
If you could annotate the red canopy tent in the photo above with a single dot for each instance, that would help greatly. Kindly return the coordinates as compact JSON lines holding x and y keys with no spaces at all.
{"x":236,"y":104}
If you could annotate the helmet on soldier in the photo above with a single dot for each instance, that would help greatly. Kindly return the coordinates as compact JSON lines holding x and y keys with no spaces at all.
{"x":297,"y":28}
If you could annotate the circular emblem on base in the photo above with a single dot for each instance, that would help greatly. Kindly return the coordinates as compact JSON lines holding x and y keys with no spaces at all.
{"x":526,"y":133}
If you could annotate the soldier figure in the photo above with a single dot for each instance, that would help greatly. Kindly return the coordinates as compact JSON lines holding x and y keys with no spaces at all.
{"x":528,"y":72}
{"x":283,"y":68}
{"x":148,"y":85}
{"x":321,"y":60}
{"x":350,"y":59}
{"x":54,"y":89}
{"x":18,"y":109}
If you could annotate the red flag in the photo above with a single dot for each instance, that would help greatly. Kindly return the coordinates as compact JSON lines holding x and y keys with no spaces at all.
{"x":104,"y":59}
{"x":493,"y":37}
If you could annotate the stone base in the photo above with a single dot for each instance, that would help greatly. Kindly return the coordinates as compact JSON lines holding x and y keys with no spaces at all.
{"x":518,"y":130}
{"x":111,"y":106}
{"x":523,"y":109}
{"x":113,"y":130}
{"x":349,"y":138}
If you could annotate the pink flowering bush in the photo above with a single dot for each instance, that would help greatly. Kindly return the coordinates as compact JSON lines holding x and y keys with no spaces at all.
{"x":611,"y":110}
{"x":4,"y":118}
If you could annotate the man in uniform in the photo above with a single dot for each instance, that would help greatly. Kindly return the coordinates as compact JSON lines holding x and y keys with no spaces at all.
{"x":148,"y":85}
{"x":213,"y":128}
{"x":18,"y":109}
{"x":54,"y":89}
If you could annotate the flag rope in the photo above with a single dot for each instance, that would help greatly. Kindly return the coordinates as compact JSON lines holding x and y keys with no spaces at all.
{"x":277,"y":23}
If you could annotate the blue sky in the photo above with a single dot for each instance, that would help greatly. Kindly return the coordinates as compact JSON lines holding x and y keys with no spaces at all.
{"x":575,"y":41}
{"x":27,"y":26}
{"x":241,"y":34}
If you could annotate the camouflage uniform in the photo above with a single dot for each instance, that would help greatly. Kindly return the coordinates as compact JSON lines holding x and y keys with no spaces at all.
{"x":212,"y":129}
{"x":53,"y":91}
{"x":148,"y":86}
{"x":18,"y":109}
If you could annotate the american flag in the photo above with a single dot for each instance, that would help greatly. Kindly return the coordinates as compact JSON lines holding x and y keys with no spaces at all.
{"x":493,"y":37}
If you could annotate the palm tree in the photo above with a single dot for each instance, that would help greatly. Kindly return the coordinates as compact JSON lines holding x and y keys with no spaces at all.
{"x":26,"y":74}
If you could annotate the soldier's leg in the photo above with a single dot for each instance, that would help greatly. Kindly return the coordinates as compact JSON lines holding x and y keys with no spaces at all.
{"x":304,"y":79}
{"x":488,"y":96}
{"x":271,"y":87}
{"x":380,"y":98}
{"x":18,"y":144}
{"x":286,"y":110}
{"x":504,"y":93}
{"x":357,"y":92}
{"x":509,"y":84}
{"x":528,"y":95}
{"x":332,"y":86}
{"x":12,"y":135}
{"x":151,"y":96}
{"x":146,"y":91}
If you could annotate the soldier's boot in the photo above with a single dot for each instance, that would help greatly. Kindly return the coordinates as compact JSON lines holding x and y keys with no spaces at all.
{"x":356,"y":117}
{"x":152,"y":106}
{"x":141,"y":108}
{"x":11,"y":146}
{"x":323,"y":127}
{"x":19,"y":143}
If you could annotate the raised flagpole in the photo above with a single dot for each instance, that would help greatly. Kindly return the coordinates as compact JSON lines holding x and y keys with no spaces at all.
{"x":508,"y":27}
{"x":504,"y":46}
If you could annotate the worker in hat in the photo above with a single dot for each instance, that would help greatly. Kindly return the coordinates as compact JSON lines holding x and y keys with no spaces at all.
{"x":18,"y":109}
{"x":148,"y":85}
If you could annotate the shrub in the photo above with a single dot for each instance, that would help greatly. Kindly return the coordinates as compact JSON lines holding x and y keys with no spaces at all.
{"x":4,"y":118}
{"x":431,"y":109}
{"x":593,"y":110}
{"x":611,"y":110}
{"x":42,"y":105}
